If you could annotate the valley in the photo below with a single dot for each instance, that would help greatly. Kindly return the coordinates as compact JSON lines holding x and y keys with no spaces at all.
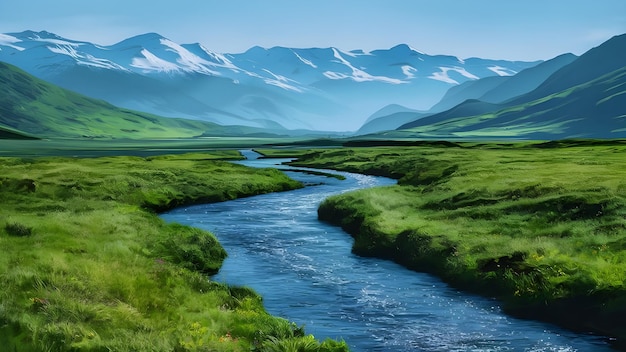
{"x":494,"y":187}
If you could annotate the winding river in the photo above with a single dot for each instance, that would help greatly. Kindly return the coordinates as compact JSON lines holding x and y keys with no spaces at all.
{"x":306,"y":273}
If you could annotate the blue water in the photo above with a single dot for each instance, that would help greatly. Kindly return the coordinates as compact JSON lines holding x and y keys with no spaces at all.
{"x":305,"y":271}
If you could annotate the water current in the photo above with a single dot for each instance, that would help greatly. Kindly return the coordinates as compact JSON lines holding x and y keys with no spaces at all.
{"x":306,"y":273}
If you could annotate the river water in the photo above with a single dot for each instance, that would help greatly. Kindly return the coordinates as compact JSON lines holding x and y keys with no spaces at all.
{"x":306,"y":273}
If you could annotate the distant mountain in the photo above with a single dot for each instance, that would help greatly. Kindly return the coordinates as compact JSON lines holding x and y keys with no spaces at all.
{"x":582,"y":99}
{"x":498,"y":89}
{"x":595,"y":109}
{"x":315,"y":88}
{"x":30,"y":107}
{"x":389,"y":118}
{"x":491,"y":90}
{"x":469,"y":90}
{"x":601,"y":60}
{"x":527,"y":80}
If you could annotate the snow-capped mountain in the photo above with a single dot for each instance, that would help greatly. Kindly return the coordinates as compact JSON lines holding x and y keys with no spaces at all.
{"x":316,"y":88}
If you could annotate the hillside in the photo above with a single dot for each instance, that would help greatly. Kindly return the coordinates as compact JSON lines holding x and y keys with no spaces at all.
{"x":33,"y":107}
{"x":591,"y":110}
{"x":389,"y":117}
{"x":581,"y":99}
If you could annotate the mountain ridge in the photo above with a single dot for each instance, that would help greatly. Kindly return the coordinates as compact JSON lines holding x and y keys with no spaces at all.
{"x":284,"y":84}
{"x":579,"y":100}
{"x":32,"y":108}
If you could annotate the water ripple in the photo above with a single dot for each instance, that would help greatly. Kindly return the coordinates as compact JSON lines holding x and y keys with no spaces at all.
{"x":306,"y":272}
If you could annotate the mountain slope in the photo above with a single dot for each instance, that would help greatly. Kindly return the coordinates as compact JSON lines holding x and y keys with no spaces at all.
{"x":527,"y":80}
{"x":389,"y":118}
{"x":498,"y":89}
{"x":311,"y":88}
{"x":468,"y":90}
{"x":34,"y":107}
{"x":493,"y":90}
{"x":576,"y":100}
{"x":595,"y":109}
{"x":601,"y":60}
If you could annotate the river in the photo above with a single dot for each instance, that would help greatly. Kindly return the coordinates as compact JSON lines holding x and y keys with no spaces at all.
{"x":306,"y":273}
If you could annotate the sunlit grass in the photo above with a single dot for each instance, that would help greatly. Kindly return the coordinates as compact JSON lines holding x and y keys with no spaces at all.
{"x":535,"y":226}
{"x":87,"y":265}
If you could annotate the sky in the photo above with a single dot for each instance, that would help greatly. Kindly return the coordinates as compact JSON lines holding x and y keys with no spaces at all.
{"x":496,"y":29}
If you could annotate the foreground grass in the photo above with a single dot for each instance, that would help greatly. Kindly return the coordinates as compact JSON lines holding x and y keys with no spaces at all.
{"x":87,"y":264}
{"x":542,"y":227}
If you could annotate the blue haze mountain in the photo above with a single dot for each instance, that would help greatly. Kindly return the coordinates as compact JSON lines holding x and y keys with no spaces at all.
{"x":278,"y":88}
{"x":585,"y":98}
{"x":31,"y":107}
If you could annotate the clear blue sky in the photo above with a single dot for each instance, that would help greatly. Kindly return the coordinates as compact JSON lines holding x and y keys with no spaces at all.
{"x":507,"y":29}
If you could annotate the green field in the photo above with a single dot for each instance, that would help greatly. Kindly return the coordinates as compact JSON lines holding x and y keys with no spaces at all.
{"x":87,"y":264}
{"x":540,"y":226}
{"x":128,"y":147}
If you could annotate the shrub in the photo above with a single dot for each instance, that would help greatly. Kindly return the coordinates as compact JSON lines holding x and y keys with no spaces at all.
{"x":18,"y":230}
{"x":193,"y":249}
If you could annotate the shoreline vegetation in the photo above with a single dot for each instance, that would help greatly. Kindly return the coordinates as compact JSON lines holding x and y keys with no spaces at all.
{"x":539,"y":226}
{"x":87,"y":264}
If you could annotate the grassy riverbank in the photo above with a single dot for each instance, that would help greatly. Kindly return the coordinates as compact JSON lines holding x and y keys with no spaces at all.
{"x":540,"y":226}
{"x":87,"y":264}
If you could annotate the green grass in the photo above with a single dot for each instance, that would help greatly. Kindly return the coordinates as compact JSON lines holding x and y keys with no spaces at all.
{"x":128,"y":147}
{"x":87,"y":264}
{"x":540,"y":226}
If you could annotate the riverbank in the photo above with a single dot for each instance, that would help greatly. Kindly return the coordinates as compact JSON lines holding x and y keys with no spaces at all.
{"x":88,"y":265}
{"x":541,"y":227}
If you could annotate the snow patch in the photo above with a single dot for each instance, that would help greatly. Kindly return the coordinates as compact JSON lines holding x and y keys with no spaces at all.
{"x":282,"y":85}
{"x":444,"y":77}
{"x":335,"y":75}
{"x":8,"y":40}
{"x":221,"y":59}
{"x":278,"y":77}
{"x":186,"y":58}
{"x":409,"y":71}
{"x":277,"y":80}
{"x":305,"y":61}
{"x":345,"y":53}
{"x":84,"y":59}
{"x":417,"y":51}
{"x":358,"y":75}
{"x":151,"y":62}
{"x":502,"y":71}
{"x":280,"y":81}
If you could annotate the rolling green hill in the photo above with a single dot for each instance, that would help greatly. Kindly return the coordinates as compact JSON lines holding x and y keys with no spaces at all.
{"x":591,"y":110}
{"x":32,"y":107}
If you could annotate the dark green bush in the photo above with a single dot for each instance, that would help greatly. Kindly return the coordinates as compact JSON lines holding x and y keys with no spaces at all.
{"x":18,"y":230}
{"x":193,"y":249}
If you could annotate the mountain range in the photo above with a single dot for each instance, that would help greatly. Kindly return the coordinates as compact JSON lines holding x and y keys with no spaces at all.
{"x":122,"y":90}
{"x":32,"y":108}
{"x":569,"y":97}
{"x":324,"y":89}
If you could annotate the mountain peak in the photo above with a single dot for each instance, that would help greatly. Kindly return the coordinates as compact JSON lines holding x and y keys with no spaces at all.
{"x":404,"y":48}
{"x":33,"y":35}
{"x":141,"y":39}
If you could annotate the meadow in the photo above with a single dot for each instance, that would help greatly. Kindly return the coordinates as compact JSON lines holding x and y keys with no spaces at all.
{"x":87,"y":264}
{"x":539,"y":226}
